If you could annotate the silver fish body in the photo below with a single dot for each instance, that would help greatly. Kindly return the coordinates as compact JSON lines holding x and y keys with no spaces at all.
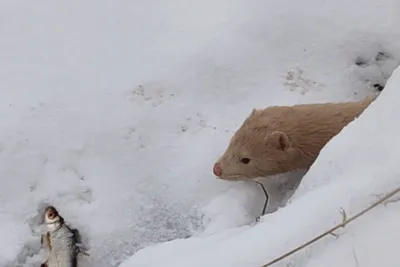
{"x":64,"y":250}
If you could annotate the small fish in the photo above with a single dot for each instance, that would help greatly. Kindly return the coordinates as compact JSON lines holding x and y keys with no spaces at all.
{"x":61,"y":241}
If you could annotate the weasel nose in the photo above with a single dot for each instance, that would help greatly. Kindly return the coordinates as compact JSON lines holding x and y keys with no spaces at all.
{"x":217,"y":170}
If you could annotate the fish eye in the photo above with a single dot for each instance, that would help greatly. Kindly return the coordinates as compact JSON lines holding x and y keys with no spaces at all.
{"x":245,"y":160}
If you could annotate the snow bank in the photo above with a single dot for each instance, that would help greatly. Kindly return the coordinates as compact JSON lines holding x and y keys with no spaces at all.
{"x":356,"y":167}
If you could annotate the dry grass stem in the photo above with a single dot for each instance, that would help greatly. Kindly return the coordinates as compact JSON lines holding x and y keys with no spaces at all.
{"x":345,"y":221}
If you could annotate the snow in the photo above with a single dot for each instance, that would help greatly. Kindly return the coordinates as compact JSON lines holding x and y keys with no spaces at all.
{"x":332,"y":183}
{"x":114,"y":112}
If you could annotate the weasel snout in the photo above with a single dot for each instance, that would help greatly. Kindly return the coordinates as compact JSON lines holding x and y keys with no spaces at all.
{"x":217,"y":170}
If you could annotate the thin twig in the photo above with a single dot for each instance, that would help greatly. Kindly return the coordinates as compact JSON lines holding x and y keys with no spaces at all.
{"x":391,"y":201}
{"x":340,"y":225}
{"x":266,"y":198}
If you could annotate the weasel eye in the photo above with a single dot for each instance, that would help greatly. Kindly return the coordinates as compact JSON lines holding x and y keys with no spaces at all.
{"x":245,"y":160}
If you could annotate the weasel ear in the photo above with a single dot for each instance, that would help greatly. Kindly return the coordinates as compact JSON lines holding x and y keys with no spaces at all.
{"x":253,"y":112}
{"x":279,"y":140}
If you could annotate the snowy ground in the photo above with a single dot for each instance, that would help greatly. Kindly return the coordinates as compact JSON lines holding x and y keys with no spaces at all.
{"x":332,"y":183}
{"x":115,"y":113}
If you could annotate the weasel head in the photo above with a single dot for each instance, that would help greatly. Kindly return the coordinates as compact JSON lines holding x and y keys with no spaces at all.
{"x":52,"y":219}
{"x":261,"y":147}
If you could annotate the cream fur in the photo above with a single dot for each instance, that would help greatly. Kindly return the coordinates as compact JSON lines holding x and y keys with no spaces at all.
{"x":280,"y":139}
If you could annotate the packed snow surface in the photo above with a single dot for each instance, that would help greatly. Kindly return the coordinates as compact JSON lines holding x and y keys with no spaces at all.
{"x":114,"y":112}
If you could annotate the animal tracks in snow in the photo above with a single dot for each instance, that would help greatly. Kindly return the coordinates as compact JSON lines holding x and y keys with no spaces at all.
{"x":198,"y":122}
{"x":376,"y":70}
{"x":296,"y":79}
{"x":153,"y":93}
